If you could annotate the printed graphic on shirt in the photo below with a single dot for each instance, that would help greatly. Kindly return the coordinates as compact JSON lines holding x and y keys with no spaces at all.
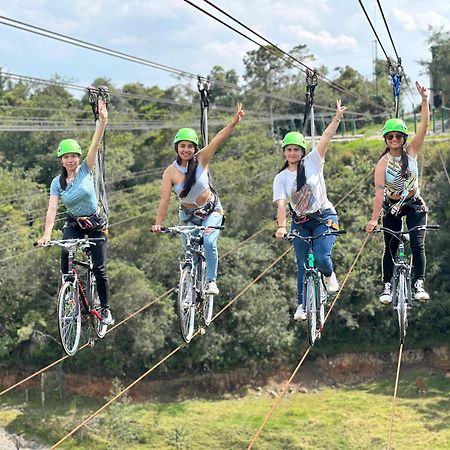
{"x":396,"y":183}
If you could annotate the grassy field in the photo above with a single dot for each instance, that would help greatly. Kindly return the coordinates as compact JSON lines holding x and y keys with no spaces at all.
{"x":329,"y":418}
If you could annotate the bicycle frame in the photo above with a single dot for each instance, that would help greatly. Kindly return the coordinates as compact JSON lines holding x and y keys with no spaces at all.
{"x":84,"y":292}
{"x":76,"y":298}
{"x":314,"y":291}
{"x":401,"y":278}
{"x":191,"y":288}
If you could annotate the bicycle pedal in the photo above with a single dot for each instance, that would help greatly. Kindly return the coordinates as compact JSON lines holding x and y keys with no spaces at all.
{"x":91,"y":342}
{"x":202,"y":331}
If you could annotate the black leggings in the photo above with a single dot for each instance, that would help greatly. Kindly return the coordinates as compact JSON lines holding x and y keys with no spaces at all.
{"x":414,"y":216}
{"x":98,"y":252}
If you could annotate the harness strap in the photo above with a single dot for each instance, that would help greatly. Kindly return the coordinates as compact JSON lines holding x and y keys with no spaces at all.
{"x":100,"y":173}
{"x":316,"y":215}
{"x":396,"y":73}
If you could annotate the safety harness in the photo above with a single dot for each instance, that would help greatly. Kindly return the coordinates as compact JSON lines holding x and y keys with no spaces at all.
{"x":396,"y":73}
{"x":303,"y":194}
{"x":201,"y":212}
{"x":100,"y":173}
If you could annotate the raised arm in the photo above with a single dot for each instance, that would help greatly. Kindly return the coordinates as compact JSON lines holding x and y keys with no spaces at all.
{"x":98,"y":134}
{"x":49,"y":220}
{"x":164,"y":202}
{"x":416,"y":142}
{"x":380,"y":171}
{"x":206,"y":153}
{"x":330,"y":131}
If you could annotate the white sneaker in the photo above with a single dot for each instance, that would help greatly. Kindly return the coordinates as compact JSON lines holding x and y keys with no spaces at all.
{"x":107,"y":318}
{"x":212,"y":288}
{"x":386,"y":294}
{"x":419,"y":292}
{"x":300,"y":313}
{"x":331,"y":283}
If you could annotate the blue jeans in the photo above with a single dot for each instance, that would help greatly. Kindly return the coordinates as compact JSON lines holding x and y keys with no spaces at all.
{"x":209,"y":240}
{"x":322,"y":248}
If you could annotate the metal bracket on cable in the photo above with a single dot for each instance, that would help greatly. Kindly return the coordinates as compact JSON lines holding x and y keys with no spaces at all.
{"x":311,"y":83}
{"x":396,"y":73}
{"x":94,"y":93}
{"x":204,"y":88}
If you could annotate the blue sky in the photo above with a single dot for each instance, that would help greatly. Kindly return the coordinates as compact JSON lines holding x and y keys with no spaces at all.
{"x":173,"y":33}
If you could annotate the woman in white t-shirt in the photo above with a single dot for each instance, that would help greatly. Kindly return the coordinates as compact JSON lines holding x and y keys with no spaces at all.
{"x":301,"y":185}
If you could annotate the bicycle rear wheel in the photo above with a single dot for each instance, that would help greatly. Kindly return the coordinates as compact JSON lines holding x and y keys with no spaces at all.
{"x":99,"y":327}
{"x":310,"y":298}
{"x":402,"y":304}
{"x":69,"y":317}
{"x":186,"y":304}
{"x":322,"y":299}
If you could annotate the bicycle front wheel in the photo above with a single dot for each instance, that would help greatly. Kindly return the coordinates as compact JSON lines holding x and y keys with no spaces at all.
{"x":310,"y":298}
{"x":69,"y":317}
{"x":402,"y":304}
{"x":186,"y":304}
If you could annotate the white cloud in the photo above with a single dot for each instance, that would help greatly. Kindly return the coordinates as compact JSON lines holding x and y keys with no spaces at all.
{"x":322,"y":37}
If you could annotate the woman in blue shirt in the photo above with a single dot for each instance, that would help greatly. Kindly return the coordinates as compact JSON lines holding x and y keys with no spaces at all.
{"x":75,"y":186}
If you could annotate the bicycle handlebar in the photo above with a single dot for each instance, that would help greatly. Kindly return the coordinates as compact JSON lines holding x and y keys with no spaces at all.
{"x":294,"y":235}
{"x":187,"y":228}
{"x":403,"y":232}
{"x":71,"y":242}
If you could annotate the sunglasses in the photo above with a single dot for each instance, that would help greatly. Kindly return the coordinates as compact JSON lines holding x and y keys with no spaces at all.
{"x":397,"y":136}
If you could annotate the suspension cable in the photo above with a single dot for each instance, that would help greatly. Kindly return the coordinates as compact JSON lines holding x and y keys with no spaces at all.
{"x":232,"y":301}
{"x":397,"y":376}
{"x":443,"y":165}
{"x":165,"y":294}
{"x":270,"y":50}
{"x":284,"y":390}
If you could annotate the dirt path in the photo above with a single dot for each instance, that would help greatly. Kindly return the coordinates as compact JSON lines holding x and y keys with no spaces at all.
{"x":10,"y":441}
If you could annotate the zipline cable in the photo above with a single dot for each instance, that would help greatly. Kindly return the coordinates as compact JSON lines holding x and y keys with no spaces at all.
{"x":443,"y":165}
{"x":254,"y":281}
{"x":387,"y":28}
{"x":284,"y":390}
{"x":270,"y":50}
{"x":397,"y":376}
{"x":165,"y":294}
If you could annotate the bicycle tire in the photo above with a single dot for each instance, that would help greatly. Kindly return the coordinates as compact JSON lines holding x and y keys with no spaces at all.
{"x":186,"y":304}
{"x":321,"y":300}
{"x":310,"y":299}
{"x":69,"y":317}
{"x":402,"y":305}
{"x":99,"y":328}
{"x":207,"y":299}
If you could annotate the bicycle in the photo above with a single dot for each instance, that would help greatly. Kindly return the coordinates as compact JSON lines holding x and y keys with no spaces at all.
{"x":192,"y":294}
{"x":78,"y":300}
{"x":315,"y":294}
{"x":401,"y":278}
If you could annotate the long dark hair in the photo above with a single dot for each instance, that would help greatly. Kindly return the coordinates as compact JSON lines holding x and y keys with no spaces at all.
{"x":190,"y":179}
{"x":403,"y":160}
{"x":63,"y":178}
{"x":301,"y":177}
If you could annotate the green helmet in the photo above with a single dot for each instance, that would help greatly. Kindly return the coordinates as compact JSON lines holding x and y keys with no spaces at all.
{"x":395,"y":125}
{"x":186,"y":134}
{"x":68,"y":146}
{"x":294,"y":138}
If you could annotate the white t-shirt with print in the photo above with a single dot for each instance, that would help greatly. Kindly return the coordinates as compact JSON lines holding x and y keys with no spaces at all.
{"x":285,"y":183}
